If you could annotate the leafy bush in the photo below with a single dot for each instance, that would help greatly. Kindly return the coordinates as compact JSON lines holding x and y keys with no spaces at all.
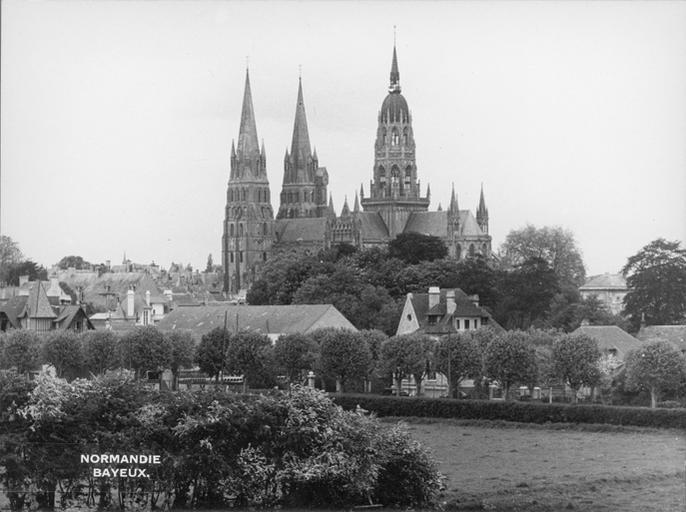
{"x":217,"y":449}
{"x":527,"y":412}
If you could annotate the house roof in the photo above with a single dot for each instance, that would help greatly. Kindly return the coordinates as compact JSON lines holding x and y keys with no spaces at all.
{"x":611,"y":337}
{"x":674,"y":334}
{"x":264,"y":319}
{"x":302,"y":229}
{"x":13,"y":308}
{"x":37,"y":304}
{"x":96,"y":287}
{"x":604,"y":282}
{"x":464,"y":307}
{"x":69,"y":313}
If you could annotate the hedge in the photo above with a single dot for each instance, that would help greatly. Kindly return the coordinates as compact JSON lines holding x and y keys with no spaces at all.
{"x":526,"y":412}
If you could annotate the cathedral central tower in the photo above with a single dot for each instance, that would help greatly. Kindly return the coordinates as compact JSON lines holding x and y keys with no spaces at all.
{"x":395,"y":192}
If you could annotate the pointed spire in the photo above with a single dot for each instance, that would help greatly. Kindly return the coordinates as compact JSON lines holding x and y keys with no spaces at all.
{"x":428,"y":191}
{"x":395,"y":74}
{"x":262,"y":148}
{"x":356,"y":208}
{"x":361,"y":191}
{"x":482,"y":210}
{"x":453,"y":202}
{"x":332,"y":211}
{"x":440,"y":208}
{"x":247,"y":135}
{"x":346,"y":209}
{"x":314,"y":153}
{"x":300,"y":146}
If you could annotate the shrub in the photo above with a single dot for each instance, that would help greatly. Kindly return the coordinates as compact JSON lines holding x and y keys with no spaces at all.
{"x":526,"y":412}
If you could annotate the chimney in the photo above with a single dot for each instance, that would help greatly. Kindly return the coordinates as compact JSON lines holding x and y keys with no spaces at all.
{"x":23,"y":280}
{"x":147,"y":298}
{"x":475,"y":299}
{"x":108,"y":264}
{"x":129,"y":303}
{"x":450,"y":302}
{"x":434,"y":296}
{"x":54,"y":290}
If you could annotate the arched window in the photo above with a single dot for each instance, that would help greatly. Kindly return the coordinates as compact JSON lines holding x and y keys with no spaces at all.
{"x":384,"y":133}
{"x":230,"y":195}
{"x":231,"y":230}
{"x":405,"y":136}
{"x":471,"y":250}
{"x":264,"y":228}
{"x":458,"y":252}
{"x":395,"y":137}
{"x":240,"y":229}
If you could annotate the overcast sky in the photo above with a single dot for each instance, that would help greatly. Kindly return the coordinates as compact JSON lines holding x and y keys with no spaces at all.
{"x":117,"y":117}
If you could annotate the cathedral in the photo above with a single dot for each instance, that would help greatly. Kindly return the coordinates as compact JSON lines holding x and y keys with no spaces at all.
{"x":306,"y":220}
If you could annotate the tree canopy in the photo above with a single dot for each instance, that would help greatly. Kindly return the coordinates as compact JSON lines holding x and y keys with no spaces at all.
{"x":575,"y":360}
{"x":656,"y":278}
{"x":656,"y":367}
{"x":555,"y":245}
{"x":415,"y":247}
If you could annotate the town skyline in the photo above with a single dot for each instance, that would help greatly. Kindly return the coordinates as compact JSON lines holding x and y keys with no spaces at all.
{"x":569,"y":114}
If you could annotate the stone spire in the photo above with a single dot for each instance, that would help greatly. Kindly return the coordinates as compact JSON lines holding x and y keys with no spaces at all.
{"x":395,"y":74}
{"x":346,"y":209}
{"x":454,"y":208}
{"x":482,"y":212}
{"x":356,"y":208}
{"x":248,"y":145}
{"x":300,"y":145}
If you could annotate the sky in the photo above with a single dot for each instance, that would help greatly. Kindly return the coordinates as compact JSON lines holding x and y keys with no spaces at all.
{"x":117,"y":117}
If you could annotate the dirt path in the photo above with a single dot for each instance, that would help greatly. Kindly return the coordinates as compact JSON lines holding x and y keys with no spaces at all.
{"x":538,"y":469}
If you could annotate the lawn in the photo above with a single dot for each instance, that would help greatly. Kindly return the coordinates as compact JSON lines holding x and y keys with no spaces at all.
{"x":508,"y":467}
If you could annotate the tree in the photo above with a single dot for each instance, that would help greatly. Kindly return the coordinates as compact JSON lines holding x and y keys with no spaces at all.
{"x":22,"y":351}
{"x":527,"y":294}
{"x":555,"y":245}
{"x":100,"y":351}
{"x":295,"y":354}
{"x":510,"y":359}
{"x":29,"y":268}
{"x":656,"y":278}
{"x":477,"y":276}
{"x":405,"y":356}
{"x":63,"y":350}
{"x":210,"y":354}
{"x":10,"y":254}
{"x":145,"y":349}
{"x":575,"y":359}
{"x":656,"y":367}
{"x":182,"y":351}
{"x":343,"y":355}
{"x":374,"y":339}
{"x":458,"y":357}
{"x":249,"y":353}
{"x":76,"y":262}
{"x":415,"y":247}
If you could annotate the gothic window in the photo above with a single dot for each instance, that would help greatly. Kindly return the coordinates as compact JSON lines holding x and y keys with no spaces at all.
{"x":471,"y":250}
{"x":405,"y":136}
{"x":264,"y":228}
{"x":395,"y":137}
{"x":240,"y":229}
{"x":384,"y":134}
{"x":243,"y":194}
{"x":240,"y":256}
{"x":458,"y":252}
{"x":231,"y":230}
{"x":230,"y":195}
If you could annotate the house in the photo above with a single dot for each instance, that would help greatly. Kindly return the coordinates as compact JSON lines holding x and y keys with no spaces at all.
{"x":137,"y":309}
{"x":32,"y":308}
{"x":442,"y":311}
{"x":610,"y":289}
{"x":273,"y":321}
{"x":675,"y":335}
{"x":612,"y":340}
{"x":439,"y":313}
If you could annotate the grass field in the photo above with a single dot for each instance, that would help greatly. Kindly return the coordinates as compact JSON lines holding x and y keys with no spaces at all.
{"x":506,"y":467}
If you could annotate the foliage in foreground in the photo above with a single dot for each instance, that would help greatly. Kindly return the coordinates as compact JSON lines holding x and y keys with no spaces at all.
{"x":217,"y":449}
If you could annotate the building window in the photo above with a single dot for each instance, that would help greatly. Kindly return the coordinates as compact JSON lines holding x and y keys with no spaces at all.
{"x":231,"y":257}
{"x":240,"y":256}
{"x":231,"y":230}
{"x":466,"y":324}
{"x":405,"y":136}
{"x":395,"y":137}
{"x":264,"y":256}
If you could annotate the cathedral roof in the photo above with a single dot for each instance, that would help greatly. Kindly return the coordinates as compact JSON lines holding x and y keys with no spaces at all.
{"x":372,"y":226}
{"x":301,"y":229}
{"x":248,"y":144}
{"x":436,"y":223}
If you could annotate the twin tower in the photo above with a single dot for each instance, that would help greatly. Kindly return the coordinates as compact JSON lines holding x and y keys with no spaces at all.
{"x":306,"y":220}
